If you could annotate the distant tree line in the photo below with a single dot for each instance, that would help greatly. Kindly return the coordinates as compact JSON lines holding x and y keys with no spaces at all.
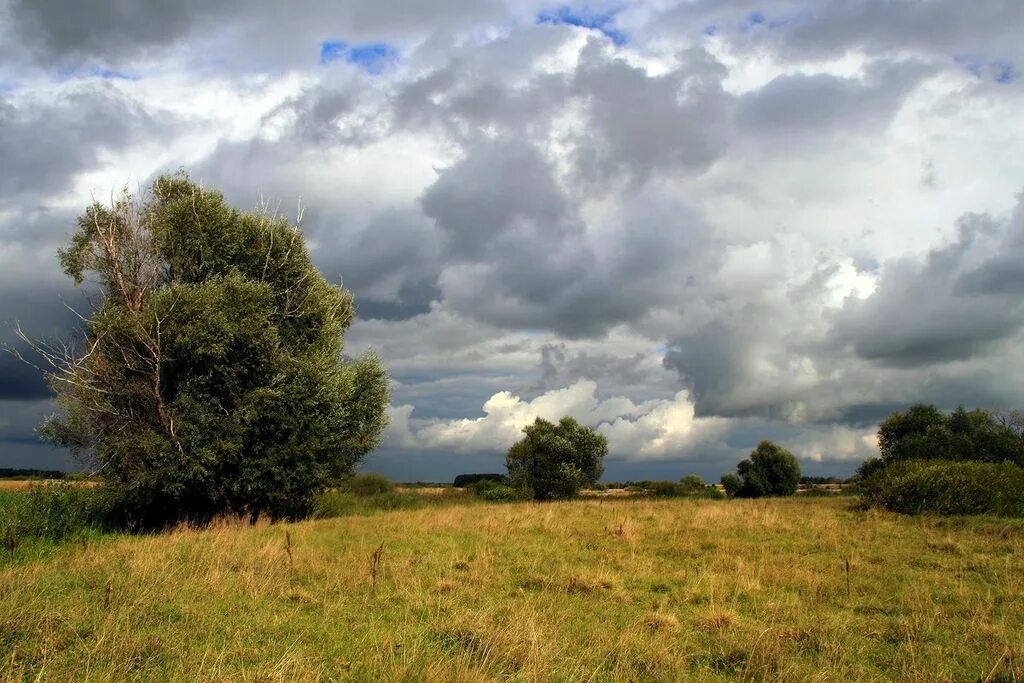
{"x":15,"y":473}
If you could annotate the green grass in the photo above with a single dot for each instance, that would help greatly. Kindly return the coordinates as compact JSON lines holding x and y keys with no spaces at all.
{"x":632,"y":589}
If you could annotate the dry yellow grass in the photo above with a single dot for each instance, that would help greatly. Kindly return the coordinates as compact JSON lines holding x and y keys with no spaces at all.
{"x":20,"y":484}
{"x":587,"y":590}
{"x":16,"y":484}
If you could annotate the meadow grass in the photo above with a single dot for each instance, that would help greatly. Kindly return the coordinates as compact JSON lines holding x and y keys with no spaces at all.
{"x":627,"y":589}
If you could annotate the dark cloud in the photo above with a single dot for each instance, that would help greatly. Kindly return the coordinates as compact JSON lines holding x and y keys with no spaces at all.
{"x":44,"y":143}
{"x":799,"y":30}
{"x":641,"y":123}
{"x":638,"y":375}
{"x":499,"y":188}
{"x":935,"y":329}
{"x":391,"y":265}
{"x":253,"y":33}
{"x":103,"y":28}
{"x":800,"y":107}
{"x":19,"y":381}
{"x":944,"y":27}
{"x":961,"y":301}
{"x":581,"y":284}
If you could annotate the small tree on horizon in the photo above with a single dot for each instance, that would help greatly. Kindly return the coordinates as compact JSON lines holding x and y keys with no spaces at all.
{"x":554,"y":461}
{"x":731,"y":483}
{"x":210,"y":376}
{"x":770,"y":470}
{"x":692,"y":483}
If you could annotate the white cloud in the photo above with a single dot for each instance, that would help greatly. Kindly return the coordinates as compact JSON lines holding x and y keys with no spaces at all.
{"x":653,"y":429}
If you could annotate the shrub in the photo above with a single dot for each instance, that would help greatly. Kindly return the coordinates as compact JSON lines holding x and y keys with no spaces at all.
{"x":499,"y":493}
{"x":868,"y":468}
{"x":770,"y":470}
{"x":364,"y":485}
{"x":54,"y":512}
{"x":948,"y":488}
{"x":731,"y":483}
{"x":555,"y":460}
{"x":711,"y":493}
{"x":665,"y":489}
{"x":818,"y":493}
{"x":692,"y":484}
{"x":463,"y":480}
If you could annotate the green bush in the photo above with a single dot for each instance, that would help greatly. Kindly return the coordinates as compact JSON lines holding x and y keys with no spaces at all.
{"x":493,"y":491}
{"x":693,"y":484}
{"x":818,"y":493}
{"x":770,"y":470}
{"x":665,"y":489}
{"x":947,"y":488}
{"x":365,"y":485}
{"x":711,"y":493}
{"x":731,"y":483}
{"x":499,"y":493}
{"x":464,"y":480}
{"x":53,"y":512}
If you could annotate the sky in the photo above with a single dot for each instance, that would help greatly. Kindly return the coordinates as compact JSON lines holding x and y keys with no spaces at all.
{"x":692,"y":225}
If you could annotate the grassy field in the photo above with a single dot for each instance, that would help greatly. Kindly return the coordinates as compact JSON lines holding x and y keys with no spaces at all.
{"x":629,"y":589}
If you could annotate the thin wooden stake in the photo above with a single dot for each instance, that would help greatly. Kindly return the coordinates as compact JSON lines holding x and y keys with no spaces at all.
{"x":375,"y":560}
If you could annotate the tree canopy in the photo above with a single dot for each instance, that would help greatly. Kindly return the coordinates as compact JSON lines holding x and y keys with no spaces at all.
{"x":925,"y":432}
{"x":210,"y":378}
{"x":770,"y":470}
{"x":555,"y":460}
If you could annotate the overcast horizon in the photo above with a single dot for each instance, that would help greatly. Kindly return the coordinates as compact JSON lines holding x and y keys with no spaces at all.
{"x":692,"y":225}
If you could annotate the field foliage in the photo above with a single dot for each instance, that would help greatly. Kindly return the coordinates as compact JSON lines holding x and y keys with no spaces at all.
{"x":948,"y":487}
{"x":463,"y":590}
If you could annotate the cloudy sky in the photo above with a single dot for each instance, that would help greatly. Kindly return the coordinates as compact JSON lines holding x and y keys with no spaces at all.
{"x":690,"y":224}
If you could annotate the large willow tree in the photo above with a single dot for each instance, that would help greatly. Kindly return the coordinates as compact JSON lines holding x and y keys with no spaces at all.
{"x":211,"y":378}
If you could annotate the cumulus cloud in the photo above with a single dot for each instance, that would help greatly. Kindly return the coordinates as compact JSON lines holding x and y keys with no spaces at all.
{"x":850,"y":346}
{"x":652,"y":429}
{"x":962,"y":300}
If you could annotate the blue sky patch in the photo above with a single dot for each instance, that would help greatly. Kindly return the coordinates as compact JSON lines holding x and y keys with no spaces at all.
{"x":100,"y":72}
{"x":96,"y":72}
{"x":1003,"y":72}
{"x":371,"y":57}
{"x":752,"y":21}
{"x":757,"y":20}
{"x":970,"y":62}
{"x":585,"y":18}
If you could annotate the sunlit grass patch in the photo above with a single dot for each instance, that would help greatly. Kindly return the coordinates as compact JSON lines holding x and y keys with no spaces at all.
{"x":613,"y":589}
